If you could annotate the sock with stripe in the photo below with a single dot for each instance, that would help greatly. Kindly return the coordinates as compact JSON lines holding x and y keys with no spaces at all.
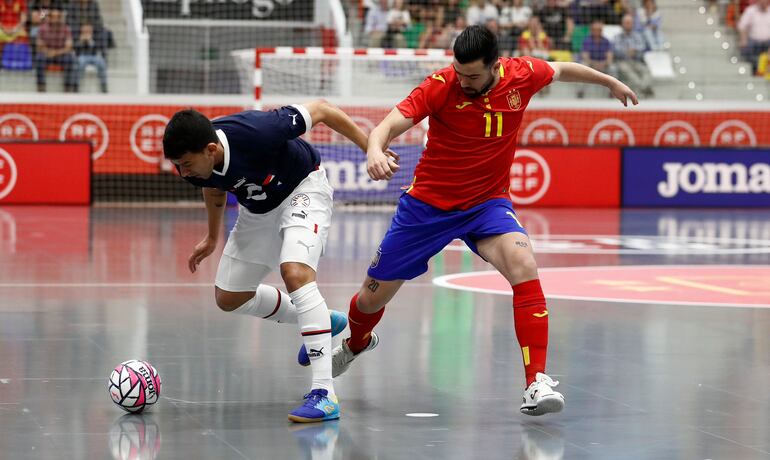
{"x":270,"y":303}
{"x":315,"y":326}
{"x":361,"y":325}
{"x":530,"y":317}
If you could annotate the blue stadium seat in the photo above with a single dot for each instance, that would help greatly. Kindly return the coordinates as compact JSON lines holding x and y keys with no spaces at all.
{"x":17,"y":56}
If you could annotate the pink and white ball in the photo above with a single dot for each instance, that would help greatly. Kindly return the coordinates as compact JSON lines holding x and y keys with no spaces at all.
{"x":134,"y":385}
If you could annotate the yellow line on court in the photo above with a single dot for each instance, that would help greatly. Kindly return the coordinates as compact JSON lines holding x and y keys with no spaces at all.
{"x":696,"y":285}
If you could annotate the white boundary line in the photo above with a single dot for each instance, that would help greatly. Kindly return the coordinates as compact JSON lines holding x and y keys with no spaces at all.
{"x":445,"y":281}
{"x":763,"y":245}
{"x":165,"y":285}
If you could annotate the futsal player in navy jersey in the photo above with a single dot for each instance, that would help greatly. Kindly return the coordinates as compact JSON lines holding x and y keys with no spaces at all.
{"x":285,"y":209}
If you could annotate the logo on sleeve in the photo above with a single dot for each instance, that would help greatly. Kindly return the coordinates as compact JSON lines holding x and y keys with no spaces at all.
{"x":438,"y":77}
{"x":376,"y":260}
{"x":294,"y":120}
{"x":300,"y":199}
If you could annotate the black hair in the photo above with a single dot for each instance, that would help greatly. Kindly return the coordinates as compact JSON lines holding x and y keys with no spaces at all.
{"x":474,"y":43}
{"x":188,"y":131}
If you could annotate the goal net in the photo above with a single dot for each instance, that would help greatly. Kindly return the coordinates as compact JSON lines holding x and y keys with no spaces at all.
{"x":365,"y":83}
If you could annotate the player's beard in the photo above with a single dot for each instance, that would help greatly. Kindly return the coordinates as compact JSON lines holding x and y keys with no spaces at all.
{"x":474,"y":94}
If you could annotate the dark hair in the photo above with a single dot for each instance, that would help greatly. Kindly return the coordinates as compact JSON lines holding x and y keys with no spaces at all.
{"x":474,"y":43}
{"x":187,"y":131}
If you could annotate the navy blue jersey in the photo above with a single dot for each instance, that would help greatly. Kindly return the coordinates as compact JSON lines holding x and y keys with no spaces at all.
{"x":264,"y":158}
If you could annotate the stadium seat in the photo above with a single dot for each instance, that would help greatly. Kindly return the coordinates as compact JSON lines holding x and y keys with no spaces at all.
{"x":659,"y":63}
{"x":17,"y":56}
{"x":610,"y":31}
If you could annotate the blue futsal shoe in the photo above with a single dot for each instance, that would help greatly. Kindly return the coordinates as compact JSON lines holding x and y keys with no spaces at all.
{"x":318,"y":407}
{"x":339,"y":321}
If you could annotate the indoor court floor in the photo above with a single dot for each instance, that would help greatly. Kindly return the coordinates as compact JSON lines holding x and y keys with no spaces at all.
{"x":663,"y":355}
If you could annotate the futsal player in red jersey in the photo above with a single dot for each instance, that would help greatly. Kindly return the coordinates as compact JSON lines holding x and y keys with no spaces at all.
{"x":460,"y":190}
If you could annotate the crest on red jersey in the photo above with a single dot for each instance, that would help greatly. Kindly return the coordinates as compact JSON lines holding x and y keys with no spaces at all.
{"x":514,"y":99}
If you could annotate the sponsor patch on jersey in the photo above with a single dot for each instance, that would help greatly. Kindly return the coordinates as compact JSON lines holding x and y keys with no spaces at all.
{"x":300,"y":199}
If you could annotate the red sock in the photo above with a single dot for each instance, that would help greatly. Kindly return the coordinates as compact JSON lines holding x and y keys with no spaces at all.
{"x":530,"y":318}
{"x":361,"y":325}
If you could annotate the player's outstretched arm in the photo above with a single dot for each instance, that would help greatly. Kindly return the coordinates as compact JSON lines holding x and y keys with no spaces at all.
{"x":381,"y":162}
{"x":322,"y":111}
{"x":215,"y":200}
{"x":579,"y":73}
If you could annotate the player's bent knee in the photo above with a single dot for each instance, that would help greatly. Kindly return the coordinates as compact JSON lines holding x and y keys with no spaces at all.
{"x":295,"y":275}
{"x":229,"y":301}
{"x":523,"y":268}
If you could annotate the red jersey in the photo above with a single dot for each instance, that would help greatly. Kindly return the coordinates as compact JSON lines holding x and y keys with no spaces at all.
{"x":471,"y":141}
{"x":10,"y":12}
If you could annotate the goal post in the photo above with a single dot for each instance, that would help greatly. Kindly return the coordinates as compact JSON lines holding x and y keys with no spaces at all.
{"x":364,"y":82}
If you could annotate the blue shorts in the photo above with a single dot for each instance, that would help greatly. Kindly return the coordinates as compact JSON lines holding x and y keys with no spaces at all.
{"x":419,"y":231}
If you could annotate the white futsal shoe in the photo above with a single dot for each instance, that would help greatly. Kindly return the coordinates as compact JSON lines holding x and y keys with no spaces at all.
{"x":540,"y":398}
{"x":342,"y":356}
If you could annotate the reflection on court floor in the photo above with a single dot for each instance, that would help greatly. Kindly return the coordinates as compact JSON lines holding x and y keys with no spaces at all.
{"x":652,"y":367}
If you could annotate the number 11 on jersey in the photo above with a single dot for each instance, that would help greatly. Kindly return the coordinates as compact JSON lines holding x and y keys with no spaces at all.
{"x":488,"y":118}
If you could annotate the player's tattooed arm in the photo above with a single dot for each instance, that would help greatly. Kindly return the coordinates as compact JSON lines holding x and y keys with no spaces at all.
{"x":373,"y":285}
{"x":522,"y":244}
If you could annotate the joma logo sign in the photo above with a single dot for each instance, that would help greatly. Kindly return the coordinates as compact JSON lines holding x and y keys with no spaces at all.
{"x":714,"y":178}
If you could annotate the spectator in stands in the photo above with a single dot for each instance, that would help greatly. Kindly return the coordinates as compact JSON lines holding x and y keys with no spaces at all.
{"x":432,"y":18}
{"x":54,"y":46}
{"x":648,"y":20}
{"x":514,"y":18}
{"x":398,"y":21}
{"x":505,"y":42}
{"x":90,"y":51}
{"x":733,"y":12}
{"x":628,"y":50}
{"x":534,"y":41}
{"x":13,"y":17}
{"x":585,"y":12}
{"x":38,"y":14}
{"x":81,"y":12}
{"x":376,"y":25}
{"x":557,"y":24}
{"x":596,"y":52}
{"x":754,"y":30}
{"x":413,"y":34}
{"x":452,"y":11}
{"x":481,"y":11}
{"x":453,"y":31}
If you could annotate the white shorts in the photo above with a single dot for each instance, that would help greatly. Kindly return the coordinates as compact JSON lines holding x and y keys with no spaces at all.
{"x":257,"y":243}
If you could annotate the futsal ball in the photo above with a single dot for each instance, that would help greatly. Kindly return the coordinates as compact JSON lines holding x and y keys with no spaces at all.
{"x":134,"y":385}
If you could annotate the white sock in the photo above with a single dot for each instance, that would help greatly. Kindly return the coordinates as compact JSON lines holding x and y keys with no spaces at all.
{"x":315,"y":326}
{"x":270,"y":303}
